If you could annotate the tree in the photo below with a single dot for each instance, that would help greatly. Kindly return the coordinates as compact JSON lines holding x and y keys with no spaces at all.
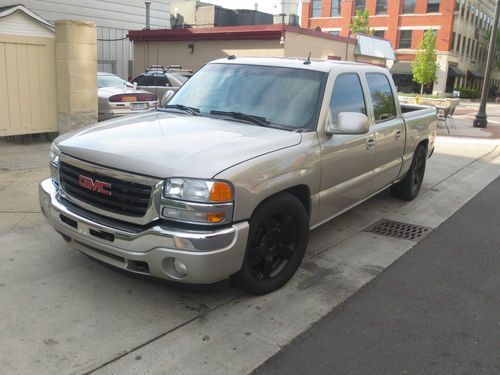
{"x":486,"y":36}
{"x":360,"y":23}
{"x":424,"y":66}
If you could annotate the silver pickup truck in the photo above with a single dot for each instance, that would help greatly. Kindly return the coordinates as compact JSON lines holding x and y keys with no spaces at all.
{"x":229,"y":177}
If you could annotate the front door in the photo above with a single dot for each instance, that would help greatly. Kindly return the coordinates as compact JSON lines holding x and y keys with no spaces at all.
{"x":347,"y":160}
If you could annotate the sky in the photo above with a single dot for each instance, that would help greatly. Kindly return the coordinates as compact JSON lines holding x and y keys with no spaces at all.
{"x":268,"y":6}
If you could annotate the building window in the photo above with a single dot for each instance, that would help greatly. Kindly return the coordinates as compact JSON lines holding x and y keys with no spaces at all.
{"x":379,"y":33}
{"x":381,"y":7}
{"x":316,"y":8}
{"x":408,"y":6}
{"x":432,"y":6}
{"x":452,"y":42}
{"x":360,"y":5}
{"x":468,"y":47}
{"x":405,"y":39}
{"x":464,"y":40}
{"x":335,"y":11}
{"x":457,"y":5}
{"x":457,"y":45}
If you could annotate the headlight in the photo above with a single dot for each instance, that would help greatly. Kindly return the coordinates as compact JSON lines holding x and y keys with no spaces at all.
{"x":197,"y":201}
{"x":207,"y":191}
{"x":54,"y":163}
{"x":54,"y":155}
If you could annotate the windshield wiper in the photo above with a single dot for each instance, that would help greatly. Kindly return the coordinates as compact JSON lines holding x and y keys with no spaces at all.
{"x":257,"y":120}
{"x":191,"y":110}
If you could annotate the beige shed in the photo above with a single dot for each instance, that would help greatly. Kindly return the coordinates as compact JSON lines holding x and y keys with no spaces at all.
{"x":27,"y":73}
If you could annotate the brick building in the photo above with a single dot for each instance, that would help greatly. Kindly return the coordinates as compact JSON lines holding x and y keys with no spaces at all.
{"x":462,"y":27}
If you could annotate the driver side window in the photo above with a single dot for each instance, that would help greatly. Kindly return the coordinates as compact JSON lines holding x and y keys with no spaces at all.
{"x":347,"y":96}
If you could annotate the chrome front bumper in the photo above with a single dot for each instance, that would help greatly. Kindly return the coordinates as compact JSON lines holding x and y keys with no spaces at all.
{"x":208,"y":256}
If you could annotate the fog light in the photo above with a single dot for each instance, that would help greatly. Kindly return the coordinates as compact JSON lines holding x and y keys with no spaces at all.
{"x":180,"y":268}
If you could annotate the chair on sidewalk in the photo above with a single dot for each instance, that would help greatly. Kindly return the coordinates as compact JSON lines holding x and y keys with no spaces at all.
{"x":450,"y":116}
{"x":442,"y":115}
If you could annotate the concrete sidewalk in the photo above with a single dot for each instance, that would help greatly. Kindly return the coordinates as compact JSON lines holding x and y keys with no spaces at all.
{"x":62,"y":312}
{"x":434,"y":311}
{"x":463,"y":119}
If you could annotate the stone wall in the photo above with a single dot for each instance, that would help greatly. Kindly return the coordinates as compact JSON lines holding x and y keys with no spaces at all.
{"x":76,"y":74}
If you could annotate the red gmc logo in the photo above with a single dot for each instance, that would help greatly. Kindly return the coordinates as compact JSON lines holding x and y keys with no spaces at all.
{"x":95,"y":185}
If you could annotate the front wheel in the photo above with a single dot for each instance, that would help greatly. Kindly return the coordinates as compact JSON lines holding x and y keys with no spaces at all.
{"x":278,"y":237}
{"x":409,"y":187}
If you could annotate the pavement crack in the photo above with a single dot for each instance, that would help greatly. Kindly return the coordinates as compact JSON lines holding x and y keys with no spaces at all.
{"x":150,"y":341}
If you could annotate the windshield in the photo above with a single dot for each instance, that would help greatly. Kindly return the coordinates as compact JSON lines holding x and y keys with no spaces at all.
{"x":282,"y":96}
{"x":110,"y":81}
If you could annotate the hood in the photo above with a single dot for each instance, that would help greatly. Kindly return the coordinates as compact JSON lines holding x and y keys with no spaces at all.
{"x":160,"y":144}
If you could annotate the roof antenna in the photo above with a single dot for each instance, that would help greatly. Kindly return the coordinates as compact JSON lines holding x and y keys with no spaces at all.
{"x":308,"y":61}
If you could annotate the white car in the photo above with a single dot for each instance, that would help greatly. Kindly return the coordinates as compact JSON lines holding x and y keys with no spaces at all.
{"x":117,"y":97}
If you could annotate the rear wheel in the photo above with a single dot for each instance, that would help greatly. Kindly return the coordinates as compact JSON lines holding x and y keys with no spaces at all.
{"x":279,"y":233}
{"x":409,"y":187}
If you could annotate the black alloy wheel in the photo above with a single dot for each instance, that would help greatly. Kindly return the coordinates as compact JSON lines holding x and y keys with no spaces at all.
{"x":277,"y":241}
{"x":409,"y":187}
{"x":272,"y":246}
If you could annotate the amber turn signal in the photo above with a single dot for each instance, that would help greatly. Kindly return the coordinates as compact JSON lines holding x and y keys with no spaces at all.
{"x":221,"y":192}
{"x":216,"y":217}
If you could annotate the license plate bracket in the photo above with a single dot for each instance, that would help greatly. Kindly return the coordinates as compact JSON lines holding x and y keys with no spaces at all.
{"x":138,"y":106}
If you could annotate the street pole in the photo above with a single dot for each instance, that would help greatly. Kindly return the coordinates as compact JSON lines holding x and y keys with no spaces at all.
{"x":481,"y":120}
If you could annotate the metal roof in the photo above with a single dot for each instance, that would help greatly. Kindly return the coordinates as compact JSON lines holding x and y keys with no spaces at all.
{"x":374,"y":47}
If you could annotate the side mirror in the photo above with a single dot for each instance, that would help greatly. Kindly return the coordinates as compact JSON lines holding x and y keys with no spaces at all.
{"x":166,"y":97}
{"x":348,"y":123}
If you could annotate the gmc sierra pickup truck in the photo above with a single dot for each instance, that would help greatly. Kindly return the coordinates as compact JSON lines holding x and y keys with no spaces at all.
{"x":228,"y":178}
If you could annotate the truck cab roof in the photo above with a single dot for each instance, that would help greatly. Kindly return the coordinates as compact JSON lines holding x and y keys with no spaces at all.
{"x":297,"y":63}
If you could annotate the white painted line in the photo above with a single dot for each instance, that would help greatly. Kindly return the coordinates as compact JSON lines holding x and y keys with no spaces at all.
{"x":466,"y":140}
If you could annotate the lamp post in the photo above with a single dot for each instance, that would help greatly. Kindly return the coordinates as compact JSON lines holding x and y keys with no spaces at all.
{"x":481,"y":120}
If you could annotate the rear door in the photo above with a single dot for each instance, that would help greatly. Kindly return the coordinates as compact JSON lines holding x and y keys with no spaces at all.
{"x":347,"y":160}
{"x":389,"y":131}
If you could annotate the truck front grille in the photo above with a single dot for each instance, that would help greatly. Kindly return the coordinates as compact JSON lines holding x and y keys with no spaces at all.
{"x":126,"y":198}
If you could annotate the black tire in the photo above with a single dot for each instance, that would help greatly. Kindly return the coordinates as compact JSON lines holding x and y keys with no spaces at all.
{"x":277,"y":241}
{"x":409,"y":187}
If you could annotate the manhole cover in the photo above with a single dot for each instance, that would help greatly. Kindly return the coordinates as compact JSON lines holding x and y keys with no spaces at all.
{"x":397,"y":229}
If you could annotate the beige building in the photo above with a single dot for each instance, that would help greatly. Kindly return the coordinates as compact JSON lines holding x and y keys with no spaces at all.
{"x":193,"y":48}
{"x":469,"y":43}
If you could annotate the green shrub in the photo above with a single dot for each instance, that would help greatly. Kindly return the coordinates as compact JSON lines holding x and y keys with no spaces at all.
{"x":466,"y":93}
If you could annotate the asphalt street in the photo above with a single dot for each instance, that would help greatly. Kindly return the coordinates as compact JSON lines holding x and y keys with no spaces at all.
{"x":436,"y":310}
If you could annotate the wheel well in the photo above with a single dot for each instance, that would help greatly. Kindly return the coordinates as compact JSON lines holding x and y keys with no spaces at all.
{"x":303,"y":194}
{"x":425,"y":143}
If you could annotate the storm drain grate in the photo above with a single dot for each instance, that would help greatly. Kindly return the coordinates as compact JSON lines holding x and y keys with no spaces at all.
{"x":397,"y":229}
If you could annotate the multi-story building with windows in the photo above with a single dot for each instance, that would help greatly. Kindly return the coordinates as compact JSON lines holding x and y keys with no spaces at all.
{"x":462,"y":28}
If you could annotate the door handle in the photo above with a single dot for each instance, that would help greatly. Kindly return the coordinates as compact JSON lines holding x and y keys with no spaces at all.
{"x":397,"y":135}
{"x":370,"y":143}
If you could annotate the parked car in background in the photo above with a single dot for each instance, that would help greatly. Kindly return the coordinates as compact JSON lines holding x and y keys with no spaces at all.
{"x":117,"y":97}
{"x":158,"y":79}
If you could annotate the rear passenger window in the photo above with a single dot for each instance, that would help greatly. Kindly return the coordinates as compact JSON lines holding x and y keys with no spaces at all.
{"x":382,"y":97}
{"x":144,"y":80}
{"x":347,"y":96}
